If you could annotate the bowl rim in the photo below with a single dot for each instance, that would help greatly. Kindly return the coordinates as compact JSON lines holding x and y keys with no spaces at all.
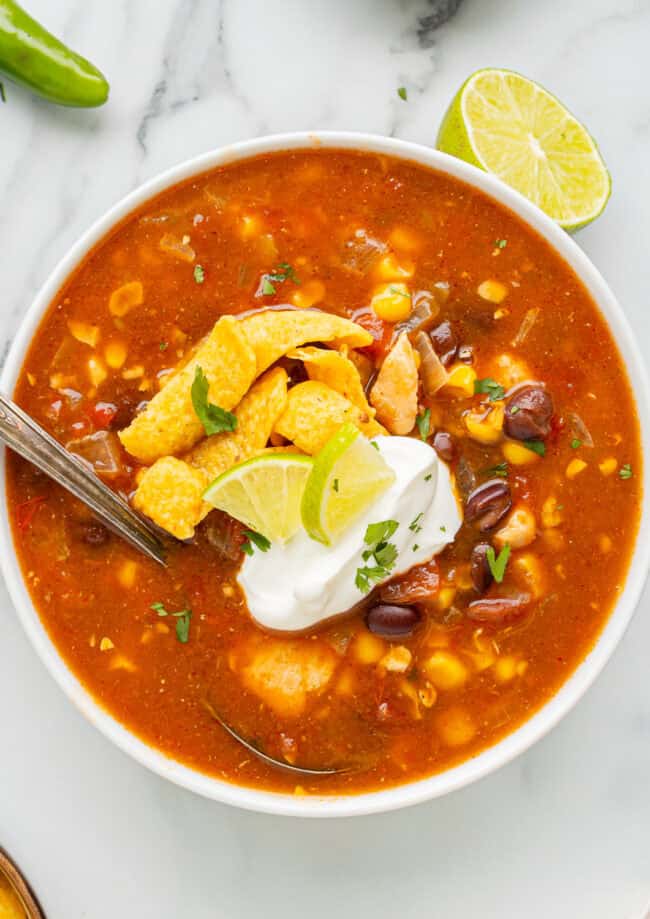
{"x":556,"y":707}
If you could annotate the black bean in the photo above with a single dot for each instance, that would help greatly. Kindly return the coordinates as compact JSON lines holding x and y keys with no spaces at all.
{"x":444,"y":446}
{"x":528,"y":413}
{"x":488,"y":504}
{"x":93,"y":533}
{"x":479,"y":568}
{"x":390,"y":621}
{"x":445,"y":342}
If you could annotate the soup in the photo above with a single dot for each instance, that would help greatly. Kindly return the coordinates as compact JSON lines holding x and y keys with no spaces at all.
{"x":465,"y":332}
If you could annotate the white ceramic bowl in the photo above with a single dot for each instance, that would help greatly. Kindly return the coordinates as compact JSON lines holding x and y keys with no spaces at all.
{"x":575,"y":686}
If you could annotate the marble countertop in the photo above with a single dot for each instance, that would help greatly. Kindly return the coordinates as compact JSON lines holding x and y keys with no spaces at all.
{"x":563,"y":830}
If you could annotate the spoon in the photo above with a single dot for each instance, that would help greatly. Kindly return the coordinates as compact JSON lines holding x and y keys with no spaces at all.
{"x":26,"y":437}
{"x":282,"y":764}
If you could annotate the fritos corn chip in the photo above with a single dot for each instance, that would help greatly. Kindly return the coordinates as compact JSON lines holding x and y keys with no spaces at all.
{"x":272,"y":333}
{"x":315,"y":412}
{"x":336,"y":371}
{"x":169,"y":424}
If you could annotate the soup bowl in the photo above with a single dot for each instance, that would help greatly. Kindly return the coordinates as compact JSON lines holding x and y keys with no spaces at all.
{"x":546,"y":717}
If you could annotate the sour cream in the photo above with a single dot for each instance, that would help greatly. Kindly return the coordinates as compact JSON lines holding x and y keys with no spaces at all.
{"x":293,"y":586}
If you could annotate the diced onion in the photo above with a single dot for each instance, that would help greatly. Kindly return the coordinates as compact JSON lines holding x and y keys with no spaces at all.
{"x":579,"y":430}
{"x":102,"y":450}
{"x":433,"y":374}
{"x":528,"y":322}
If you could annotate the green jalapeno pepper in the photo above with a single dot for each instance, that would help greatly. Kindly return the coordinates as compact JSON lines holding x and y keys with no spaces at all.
{"x":30,"y":55}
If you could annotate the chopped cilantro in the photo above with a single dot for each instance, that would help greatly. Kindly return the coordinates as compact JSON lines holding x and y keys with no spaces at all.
{"x":443,"y":529}
{"x":2,"y":92}
{"x":423,"y":422}
{"x":163,"y":345}
{"x":501,"y":469}
{"x":489,"y":387}
{"x":576,"y":443}
{"x":199,"y":274}
{"x":415,"y":547}
{"x":537,"y":446}
{"x":625,"y":472}
{"x":514,"y":409}
{"x":213,"y":418}
{"x":255,"y":539}
{"x":402,"y":93}
{"x":373,"y":443}
{"x":427,"y":477}
{"x":497,"y":563}
{"x":396,"y":292}
{"x":414,"y":525}
{"x":267,"y":287}
{"x":182,"y":617}
{"x":500,"y":243}
{"x":383,"y":553}
{"x":335,"y":485}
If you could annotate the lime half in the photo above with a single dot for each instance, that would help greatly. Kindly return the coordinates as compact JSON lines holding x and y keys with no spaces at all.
{"x":264,"y":493}
{"x":348,"y":474}
{"x":511,"y":126}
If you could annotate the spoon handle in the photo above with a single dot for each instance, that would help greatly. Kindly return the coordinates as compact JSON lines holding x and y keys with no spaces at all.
{"x":22,"y":434}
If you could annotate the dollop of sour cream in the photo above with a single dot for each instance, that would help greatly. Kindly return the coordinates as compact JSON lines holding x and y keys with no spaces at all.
{"x":293,"y":586}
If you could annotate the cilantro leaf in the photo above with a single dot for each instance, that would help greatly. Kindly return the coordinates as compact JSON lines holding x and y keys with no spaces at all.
{"x":379,"y":532}
{"x":500,"y":243}
{"x":414,"y":525}
{"x":537,"y":446}
{"x":402,"y":93}
{"x":423,"y":422}
{"x":625,"y":472}
{"x":255,"y":539}
{"x":182,"y":617}
{"x":267,"y":287}
{"x":383,"y":552}
{"x":501,"y":469}
{"x":199,"y":274}
{"x":213,"y":418}
{"x":576,"y":443}
{"x":489,"y":387}
{"x":497,"y":563}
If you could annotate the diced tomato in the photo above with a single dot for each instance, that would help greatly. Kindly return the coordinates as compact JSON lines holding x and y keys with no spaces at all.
{"x":25,"y":512}
{"x":102,"y":413}
{"x":421,"y":583}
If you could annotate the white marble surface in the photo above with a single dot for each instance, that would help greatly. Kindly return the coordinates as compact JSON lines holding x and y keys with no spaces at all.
{"x":563,"y":831}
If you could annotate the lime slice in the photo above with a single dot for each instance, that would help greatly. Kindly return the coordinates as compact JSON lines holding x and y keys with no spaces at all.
{"x":347,"y":476}
{"x":511,"y":126}
{"x":264,"y":493}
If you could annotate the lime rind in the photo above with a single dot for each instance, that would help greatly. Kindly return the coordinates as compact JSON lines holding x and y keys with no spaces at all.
{"x":347,"y":476}
{"x":264,"y":493}
{"x":508,"y":125}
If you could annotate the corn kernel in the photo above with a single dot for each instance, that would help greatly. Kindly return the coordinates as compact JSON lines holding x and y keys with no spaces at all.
{"x":460,"y":381}
{"x":390,"y":268}
{"x":162,"y":628}
{"x":505,"y":669}
{"x":106,"y":644}
{"x":520,"y":529}
{"x":530,"y":569}
{"x":427,"y":695}
{"x":604,"y":543}
{"x":501,"y":313}
{"x":486,"y":429}
{"x":521,"y":668}
{"x":392,"y":302}
{"x":455,"y":727}
{"x":31,"y":379}
{"x":554,"y":539}
{"x":250,"y":226}
{"x":309,"y":294}
{"x":575,"y":467}
{"x":126,"y":573}
{"x":96,"y":371}
{"x":84,"y":332}
{"x":518,"y":455}
{"x":445,"y":597}
{"x":133,"y":373}
{"x":92,"y":641}
{"x":368,"y":648}
{"x":445,"y":670}
{"x":493,"y":291}
{"x":115,"y":354}
{"x":397,"y":659}
{"x":404,"y":239}
{"x":608,"y":466}
{"x":120,"y":662}
{"x":346,"y":682}
{"x":125,"y":298}
{"x":552,"y":515}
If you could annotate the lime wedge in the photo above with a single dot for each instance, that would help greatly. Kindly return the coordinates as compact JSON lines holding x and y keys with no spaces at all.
{"x":511,"y":126}
{"x":347,"y":476}
{"x":264,"y":493}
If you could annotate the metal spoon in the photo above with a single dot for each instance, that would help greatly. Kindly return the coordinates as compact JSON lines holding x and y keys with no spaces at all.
{"x":26,"y":437}
{"x":282,"y":764}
